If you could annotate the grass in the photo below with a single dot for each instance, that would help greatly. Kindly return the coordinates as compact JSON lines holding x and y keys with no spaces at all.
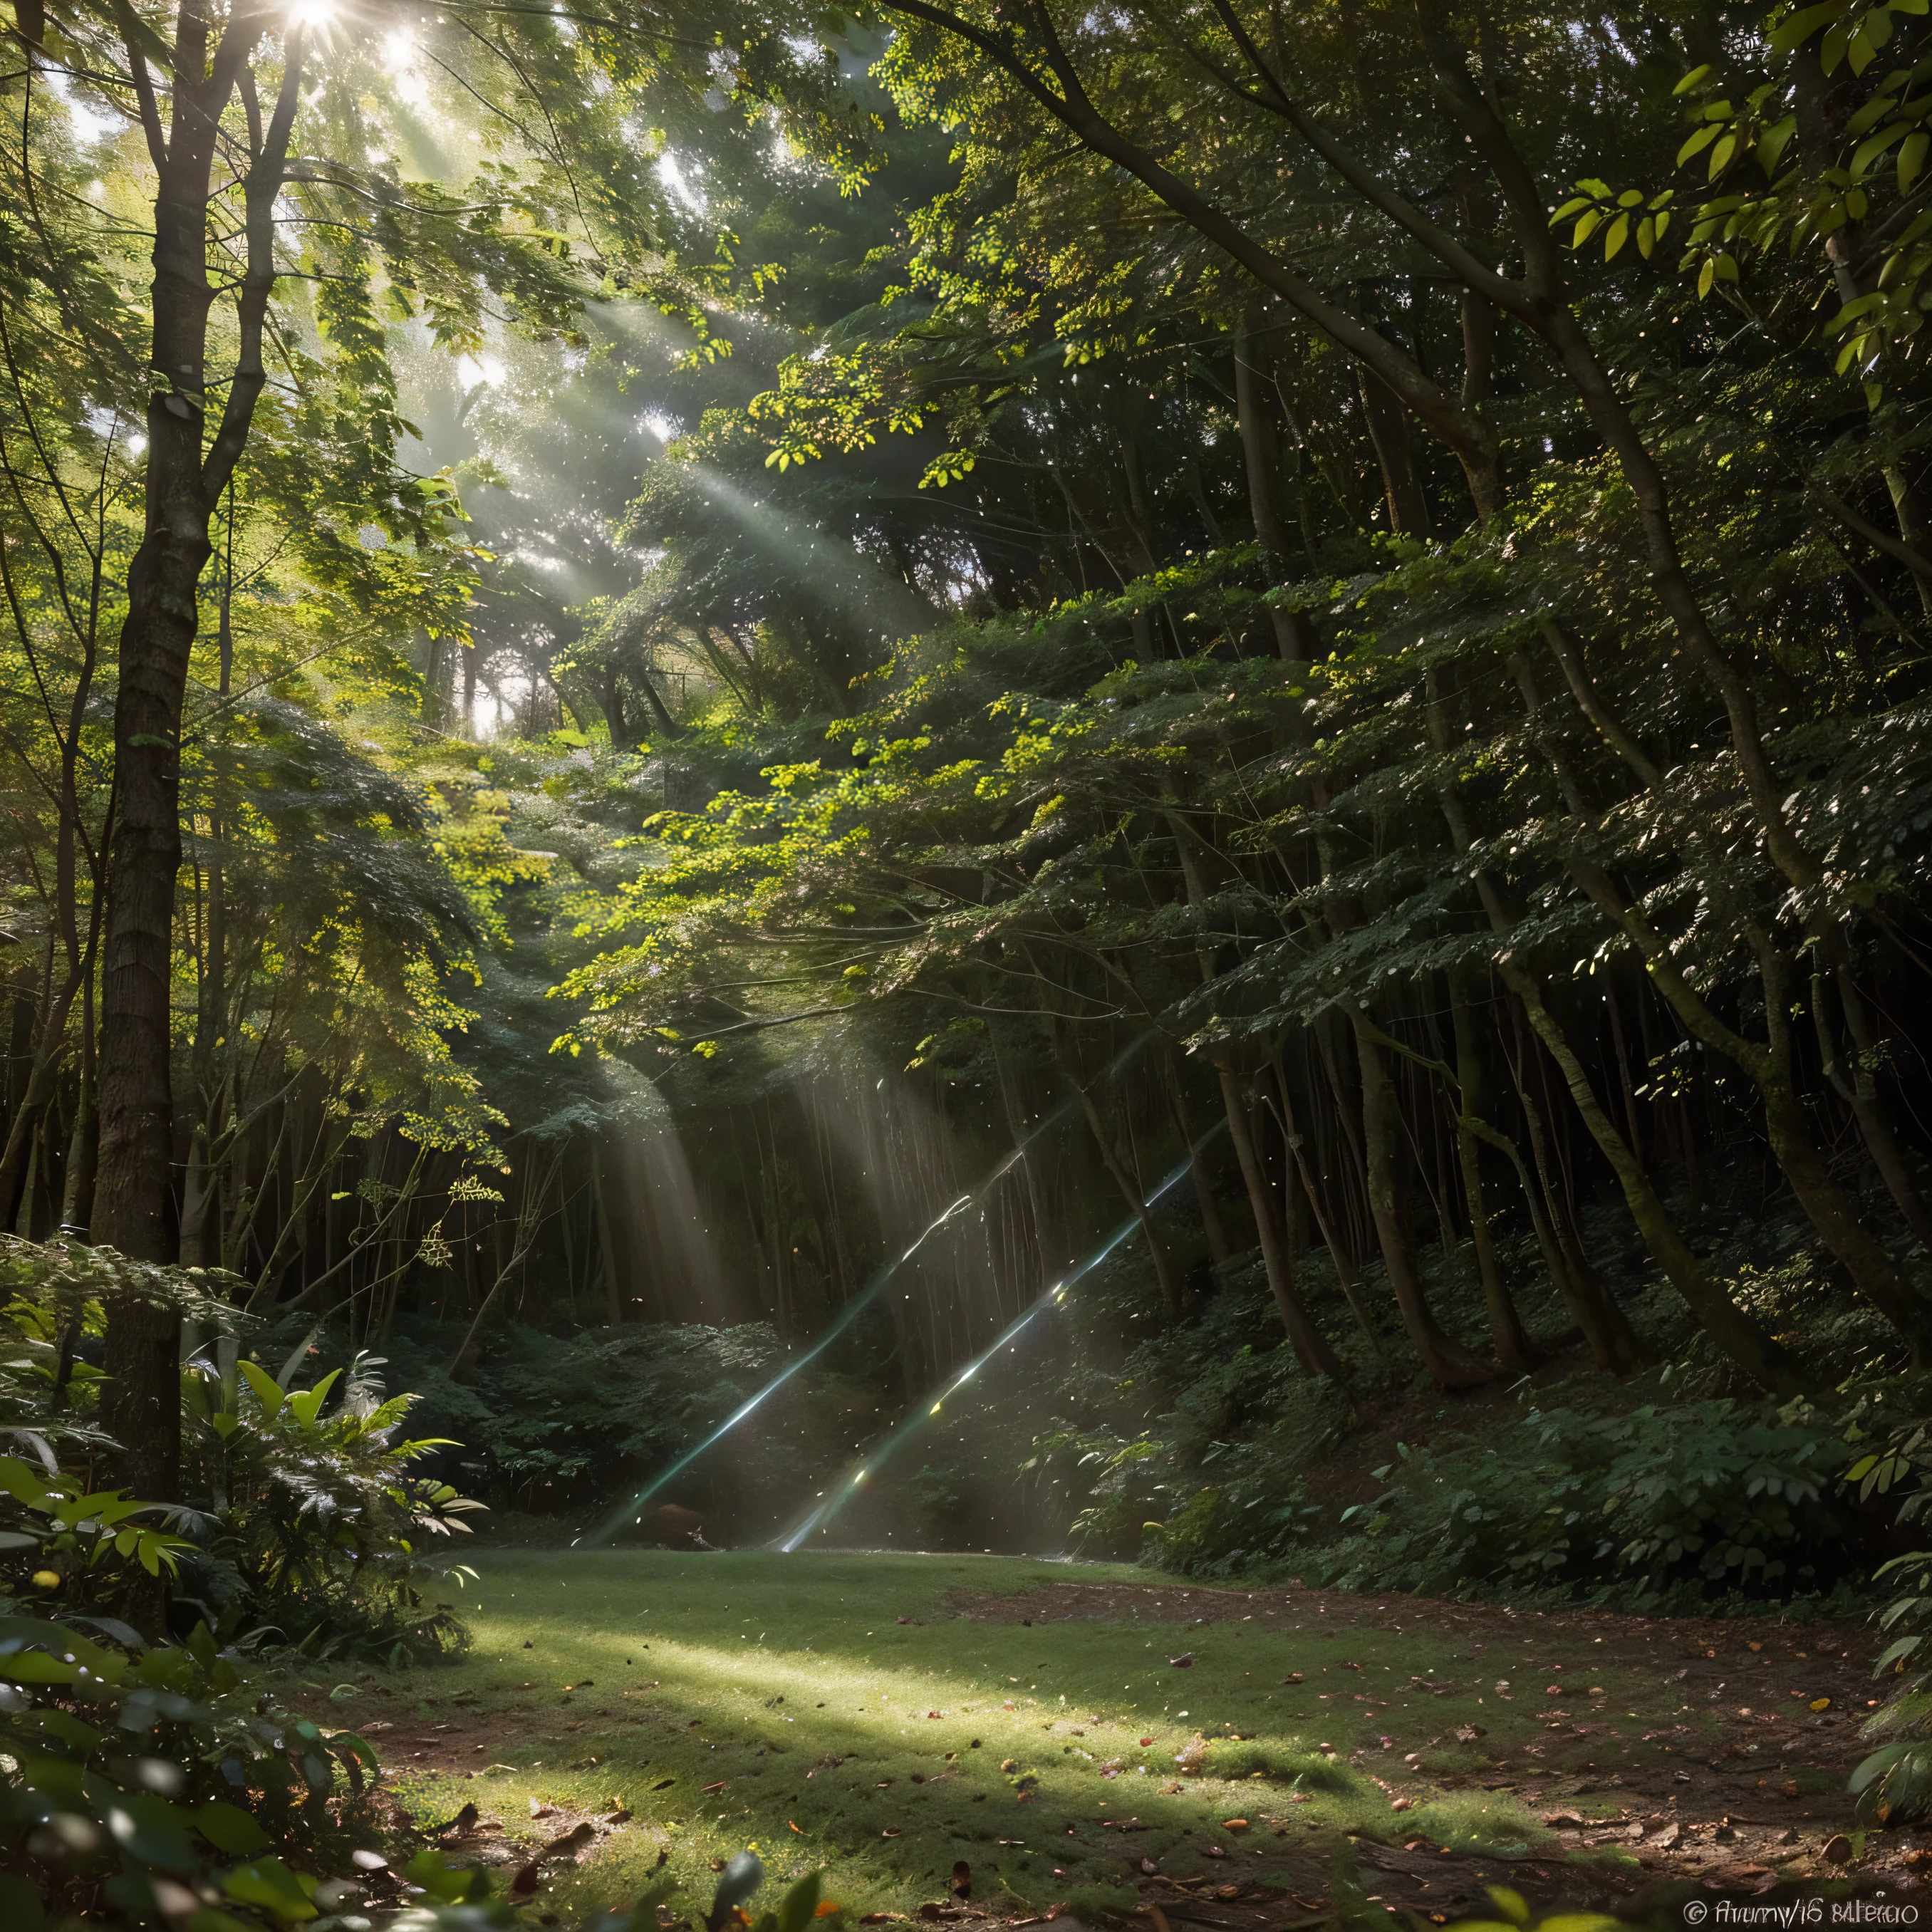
{"x":840,"y":1699}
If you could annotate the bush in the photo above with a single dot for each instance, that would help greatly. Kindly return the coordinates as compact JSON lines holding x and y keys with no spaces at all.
{"x":317,"y":1515}
{"x":305,"y":1519}
{"x":133,"y":1785}
{"x":138,"y":1784}
{"x":1659,"y":1507}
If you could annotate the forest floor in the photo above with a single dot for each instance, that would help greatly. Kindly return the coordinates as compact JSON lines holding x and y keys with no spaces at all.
{"x":1088,"y":1738}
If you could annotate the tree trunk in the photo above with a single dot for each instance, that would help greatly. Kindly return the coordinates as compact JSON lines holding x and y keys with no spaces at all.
{"x":1511,"y":1342}
{"x":1311,"y":1347}
{"x":134,"y":1197}
{"x":1450,"y":1365}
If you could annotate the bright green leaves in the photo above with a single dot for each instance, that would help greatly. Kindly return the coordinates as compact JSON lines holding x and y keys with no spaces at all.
{"x":949,"y":466}
{"x":1886,"y":139}
{"x":74,"y":1528}
{"x":1621,"y":217}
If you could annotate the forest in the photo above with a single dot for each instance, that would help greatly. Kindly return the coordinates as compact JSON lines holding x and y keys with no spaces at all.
{"x":983,"y":815}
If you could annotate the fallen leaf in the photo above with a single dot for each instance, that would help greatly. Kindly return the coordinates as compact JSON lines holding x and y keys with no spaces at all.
{"x":622,"y":1816}
{"x":1821,"y":1703}
{"x":1402,"y":1805}
{"x":1146,"y":1742}
{"x":525,"y":1882}
{"x":1183,"y":1662}
{"x":538,"y":1809}
{"x":798,"y":1829}
{"x":1563,"y":1821}
{"x":712,"y":1790}
{"x":1233,"y":1824}
{"x":890,"y":1831}
{"x":569,"y":1841}
{"x":1670,"y":1838}
{"x":1227,"y":1891}
{"x":1838,"y":1849}
{"x":1293,"y":1677}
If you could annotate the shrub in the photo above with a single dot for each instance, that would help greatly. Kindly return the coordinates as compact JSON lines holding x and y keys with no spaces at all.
{"x":317,"y":1516}
{"x":305,"y":1519}
{"x":154,"y":1783}
{"x":138,"y":1784}
{"x":1659,"y":1506}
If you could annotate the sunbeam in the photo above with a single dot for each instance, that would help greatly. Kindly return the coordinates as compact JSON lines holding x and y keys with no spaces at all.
{"x":882,"y":1279}
{"x":876,"y":1459}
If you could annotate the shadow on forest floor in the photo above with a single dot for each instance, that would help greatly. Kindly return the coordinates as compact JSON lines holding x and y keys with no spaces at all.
{"x":1089,"y":1738}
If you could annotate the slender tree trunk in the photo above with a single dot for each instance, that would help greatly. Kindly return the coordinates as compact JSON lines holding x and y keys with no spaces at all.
{"x":141,"y":1404}
{"x":1507,"y":1336}
{"x":1311,"y":1347}
{"x":1450,"y":1365}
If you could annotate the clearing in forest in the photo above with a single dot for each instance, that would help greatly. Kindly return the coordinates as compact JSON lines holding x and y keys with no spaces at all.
{"x":1086,"y":1736}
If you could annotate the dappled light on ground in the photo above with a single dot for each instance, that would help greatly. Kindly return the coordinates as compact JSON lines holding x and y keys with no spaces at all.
{"x":1094,"y":1737}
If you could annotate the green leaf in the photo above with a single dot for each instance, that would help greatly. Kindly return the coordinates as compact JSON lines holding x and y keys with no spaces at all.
{"x":1699,"y":140}
{"x":1802,"y":25}
{"x":269,"y":1884}
{"x":1691,"y":79}
{"x":1775,"y":138}
{"x":306,"y":1406}
{"x":800,"y":1904}
{"x":20,"y":1909}
{"x":229,"y":1828}
{"x":1912,"y":159}
{"x":1586,"y":227}
{"x":150,"y":1831}
{"x":23,"y":1485}
{"x":429,"y":1869}
{"x":1619,"y":233}
{"x":1873,"y":145}
{"x":268,"y":1391}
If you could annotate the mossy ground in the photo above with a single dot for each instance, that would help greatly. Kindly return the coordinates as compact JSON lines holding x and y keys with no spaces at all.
{"x":886,"y":1715}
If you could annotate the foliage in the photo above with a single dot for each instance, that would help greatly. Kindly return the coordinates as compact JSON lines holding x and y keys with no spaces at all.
{"x":320,"y":1520}
{"x":304,"y":1518}
{"x":160,"y":1781}
{"x":1680,"y":1504}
